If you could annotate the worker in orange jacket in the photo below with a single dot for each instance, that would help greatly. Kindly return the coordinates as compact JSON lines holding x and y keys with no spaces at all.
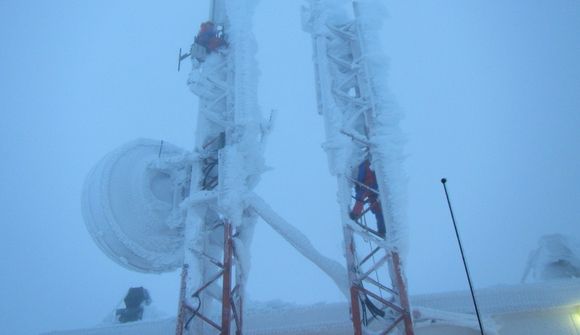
{"x":209,"y":37}
{"x":366,"y":192}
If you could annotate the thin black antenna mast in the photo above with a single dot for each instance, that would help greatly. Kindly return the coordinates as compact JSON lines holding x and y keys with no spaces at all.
{"x":443,"y":181}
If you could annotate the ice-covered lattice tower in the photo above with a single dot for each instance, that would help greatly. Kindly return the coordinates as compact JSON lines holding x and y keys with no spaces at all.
{"x":363,"y":127}
{"x":153,"y":207}
{"x":230,"y":138}
{"x":222,"y":208}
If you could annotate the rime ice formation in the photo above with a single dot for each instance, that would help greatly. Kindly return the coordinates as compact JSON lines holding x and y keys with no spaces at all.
{"x":344,"y":127}
{"x":301,"y":243}
{"x":130,"y":205}
{"x":557,"y":257}
{"x":364,"y":144}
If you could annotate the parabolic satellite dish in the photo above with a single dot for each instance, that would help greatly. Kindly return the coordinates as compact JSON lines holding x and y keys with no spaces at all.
{"x":130,"y":206}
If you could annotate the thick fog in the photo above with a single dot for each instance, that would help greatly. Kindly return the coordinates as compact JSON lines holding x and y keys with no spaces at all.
{"x":490,"y":91}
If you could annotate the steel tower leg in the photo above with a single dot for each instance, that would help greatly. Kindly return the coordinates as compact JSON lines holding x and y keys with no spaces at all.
{"x":353,"y":119}
{"x":211,"y":294}
{"x":230,"y":302}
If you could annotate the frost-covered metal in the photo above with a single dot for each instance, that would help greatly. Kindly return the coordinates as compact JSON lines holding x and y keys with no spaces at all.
{"x":130,"y":205}
{"x":361,"y":125}
{"x":556,"y":257}
{"x":202,"y":206}
{"x":230,"y":134}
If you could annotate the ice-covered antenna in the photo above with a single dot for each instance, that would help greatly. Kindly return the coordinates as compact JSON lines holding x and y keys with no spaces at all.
{"x":153,"y":207}
{"x":130,"y":205}
{"x":361,"y":128}
{"x":221,"y":206}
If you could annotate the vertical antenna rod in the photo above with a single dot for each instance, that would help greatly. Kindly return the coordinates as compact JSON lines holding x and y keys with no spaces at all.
{"x":443,"y":181}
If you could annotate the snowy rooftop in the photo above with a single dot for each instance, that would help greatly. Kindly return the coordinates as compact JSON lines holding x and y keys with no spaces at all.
{"x":280,"y":318}
{"x":507,"y":299}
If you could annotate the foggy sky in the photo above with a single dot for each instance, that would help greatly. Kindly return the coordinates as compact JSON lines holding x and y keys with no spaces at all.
{"x":490,"y":90}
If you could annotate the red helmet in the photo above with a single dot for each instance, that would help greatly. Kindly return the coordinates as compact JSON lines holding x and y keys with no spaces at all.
{"x":207,"y":26}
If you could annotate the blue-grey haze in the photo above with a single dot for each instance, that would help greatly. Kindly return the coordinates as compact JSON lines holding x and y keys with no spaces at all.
{"x":490,"y":89}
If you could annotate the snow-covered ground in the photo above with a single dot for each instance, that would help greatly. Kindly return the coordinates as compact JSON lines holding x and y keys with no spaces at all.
{"x":527,"y":309}
{"x":489,"y":90}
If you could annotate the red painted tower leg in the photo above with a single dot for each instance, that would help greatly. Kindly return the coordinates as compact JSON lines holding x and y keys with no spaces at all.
{"x":182,"y":311}
{"x":355,"y":311}
{"x":227,"y":280}
{"x":354,"y":293}
{"x":229,"y":305}
{"x":401,"y":284}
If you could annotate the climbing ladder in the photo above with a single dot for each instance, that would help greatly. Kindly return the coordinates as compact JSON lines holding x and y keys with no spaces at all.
{"x":355,"y":120}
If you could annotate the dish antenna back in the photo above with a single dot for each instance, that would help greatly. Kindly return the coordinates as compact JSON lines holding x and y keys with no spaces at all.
{"x":130,"y":205}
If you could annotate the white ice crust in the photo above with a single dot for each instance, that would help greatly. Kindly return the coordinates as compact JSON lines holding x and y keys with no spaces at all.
{"x":301,"y":243}
{"x":130,"y":205}
{"x":385,"y":137}
{"x":557,"y":257}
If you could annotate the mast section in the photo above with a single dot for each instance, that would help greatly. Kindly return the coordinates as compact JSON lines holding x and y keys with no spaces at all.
{"x":229,"y":145}
{"x":361,"y":127}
